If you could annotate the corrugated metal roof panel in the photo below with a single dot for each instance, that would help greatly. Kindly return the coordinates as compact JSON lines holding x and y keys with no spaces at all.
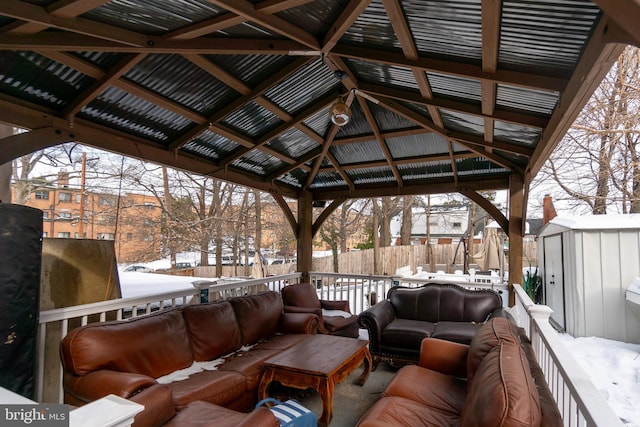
{"x":383,"y":74}
{"x":365,"y":176}
{"x":372,"y":29}
{"x":319,"y":122}
{"x":211,"y":146}
{"x":246,"y":30}
{"x":308,"y":83}
{"x":153,"y":17}
{"x":425,"y":170}
{"x":120,"y":110}
{"x":526,"y":99}
{"x":347,"y":154}
{"x":250,"y":69}
{"x":546,"y":35}
{"x":316,"y":18}
{"x":388,"y":120}
{"x":104,"y":60}
{"x":258,"y":163}
{"x":426,"y":144}
{"x":293,"y":143}
{"x":251,"y":119}
{"x":327,"y":180}
{"x":478,"y":166}
{"x":293,"y":179}
{"x":455,"y":87}
{"x":443,"y":31}
{"x":510,"y":132}
{"x":183,"y":82}
{"x":419,"y":108}
{"x":34,"y":78}
{"x":461,"y":122}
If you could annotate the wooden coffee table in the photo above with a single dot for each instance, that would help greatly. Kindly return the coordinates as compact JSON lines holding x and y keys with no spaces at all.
{"x":319,"y":362}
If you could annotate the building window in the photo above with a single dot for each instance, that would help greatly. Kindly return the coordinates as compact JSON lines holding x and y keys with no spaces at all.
{"x":42,"y":195}
{"x":76,"y":235}
{"x":45,"y":215}
{"x":106,"y":201}
{"x":64,"y":234}
{"x":129,"y":236}
{"x":457,"y":224}
{"x":148,"y":238}
{"x":106,"y":236}
{"x":65,"y":197}
{"x":44,"y":234}
{"x":78,"y":197}
{"x":64,"y":215}
{"x":149,"y":205}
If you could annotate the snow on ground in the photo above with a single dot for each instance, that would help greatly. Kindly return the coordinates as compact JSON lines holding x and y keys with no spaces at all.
{"x":614,"y":369}
{"x":134,"y":284}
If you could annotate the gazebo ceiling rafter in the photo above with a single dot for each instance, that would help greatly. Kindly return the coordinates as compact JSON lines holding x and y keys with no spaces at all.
{"x":443,"y":96}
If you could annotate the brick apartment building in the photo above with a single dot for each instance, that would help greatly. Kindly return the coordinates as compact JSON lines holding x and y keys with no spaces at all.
{"x":134,"y":223}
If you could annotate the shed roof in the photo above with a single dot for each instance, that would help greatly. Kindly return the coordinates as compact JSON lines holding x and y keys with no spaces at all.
{"x":592,"y":222}
{"x":444,"y":95}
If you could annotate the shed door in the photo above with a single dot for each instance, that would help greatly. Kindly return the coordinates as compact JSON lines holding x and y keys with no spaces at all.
{"x":554,"y":277}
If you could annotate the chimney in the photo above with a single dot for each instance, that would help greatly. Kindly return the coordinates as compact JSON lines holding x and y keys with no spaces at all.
{"x":548,"y":211}
{"x":63,"y":179}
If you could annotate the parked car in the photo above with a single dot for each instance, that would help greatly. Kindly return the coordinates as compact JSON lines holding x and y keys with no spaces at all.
{"x":183,"y":265}
{"x":138,"y":268}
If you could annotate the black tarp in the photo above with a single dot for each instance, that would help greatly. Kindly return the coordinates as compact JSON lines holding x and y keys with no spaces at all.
{"x":20,"y":259}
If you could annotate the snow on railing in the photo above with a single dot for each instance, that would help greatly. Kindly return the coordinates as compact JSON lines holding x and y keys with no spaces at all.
{"x":578,"y":400}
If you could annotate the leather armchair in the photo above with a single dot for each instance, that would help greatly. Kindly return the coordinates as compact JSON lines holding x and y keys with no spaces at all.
{"x":302,"y":298}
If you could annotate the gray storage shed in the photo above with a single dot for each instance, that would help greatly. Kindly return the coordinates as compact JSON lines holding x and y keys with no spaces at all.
{"x":586,"y":264}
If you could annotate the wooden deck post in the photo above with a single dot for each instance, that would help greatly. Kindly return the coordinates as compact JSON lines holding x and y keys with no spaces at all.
{"x":304,"y":235}
{"x":517,"y":208}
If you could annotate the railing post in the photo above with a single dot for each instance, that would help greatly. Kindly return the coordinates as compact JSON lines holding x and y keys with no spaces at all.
{"x":539,"y":314}
{"x":203,"y":286}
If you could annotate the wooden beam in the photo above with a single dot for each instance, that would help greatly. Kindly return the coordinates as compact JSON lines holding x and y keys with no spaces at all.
{"x":328,"y":210}
{"x":343,"y":23}
{"x":65,"y":41}
{"x":626,"y":13}
{"x":41,"y":17}
{"x":485,"y":204}
{"x":516,"y":78}
{"x":248,"y":11}
{"x":23,"y":143}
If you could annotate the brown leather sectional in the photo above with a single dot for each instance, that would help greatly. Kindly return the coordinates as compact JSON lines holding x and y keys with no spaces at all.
{"x":398,"y":324}
{"x":125,"y":357}
{"x":493,"y":381}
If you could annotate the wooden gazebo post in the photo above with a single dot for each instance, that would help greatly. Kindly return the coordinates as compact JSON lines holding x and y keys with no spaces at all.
{"x":304,"y":235}
{"x":517,"y":208}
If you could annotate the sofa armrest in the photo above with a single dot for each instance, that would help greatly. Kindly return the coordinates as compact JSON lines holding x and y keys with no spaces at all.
{"x":444,"y":356}
{"x":335,"y":305}
{"x":374,"y":320}
{"x":98,"y":384}
{"x":298,"y":323}
{"x":296,"y":309}
{"x":158,"y":406}
{"x":259,"y":417}
{"x":500,"y":312}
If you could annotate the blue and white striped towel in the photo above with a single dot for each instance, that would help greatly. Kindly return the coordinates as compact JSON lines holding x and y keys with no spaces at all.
{"x":291,"y":413}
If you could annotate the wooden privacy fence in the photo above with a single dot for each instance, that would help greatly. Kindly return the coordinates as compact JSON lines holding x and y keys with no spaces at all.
{"x":391,"y":259}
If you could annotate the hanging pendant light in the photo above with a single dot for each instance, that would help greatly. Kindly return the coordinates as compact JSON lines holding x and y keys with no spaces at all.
{"x":340,"y":113}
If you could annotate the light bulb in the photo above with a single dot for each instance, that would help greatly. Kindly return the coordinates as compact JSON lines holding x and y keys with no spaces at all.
{"x":340,"y":113}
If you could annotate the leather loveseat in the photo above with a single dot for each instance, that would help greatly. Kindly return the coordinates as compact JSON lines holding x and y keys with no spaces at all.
{"x":494,"y":381}
{"x":132,"y":358}
{"x":398,"y":324}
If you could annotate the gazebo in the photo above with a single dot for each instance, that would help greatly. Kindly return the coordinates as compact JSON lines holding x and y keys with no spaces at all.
{"x":319,"y":101}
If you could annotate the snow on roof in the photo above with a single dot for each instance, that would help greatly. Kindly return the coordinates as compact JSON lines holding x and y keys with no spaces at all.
{"x":598,"y":222}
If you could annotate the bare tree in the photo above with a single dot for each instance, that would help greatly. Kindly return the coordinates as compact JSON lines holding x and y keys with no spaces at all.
{"x":596,"y":166}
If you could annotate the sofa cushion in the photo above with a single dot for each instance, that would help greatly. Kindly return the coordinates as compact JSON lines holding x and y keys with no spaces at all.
{"x":248,"y":363}
{"x":213,"y":330}
{"x":490,"y":334}
{"x":430,"y":388}
{"x":406,"y":334}
{"x":219,"y":387}
{"x":281,"y":342}
{"x":462,"y":332}
{"x":257,"y":315}
{"x":503,"y":392}
{"x":393,"y":411}
{"x":153,"y":345}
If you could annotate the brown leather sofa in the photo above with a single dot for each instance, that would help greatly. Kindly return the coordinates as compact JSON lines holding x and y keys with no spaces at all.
{"x":398,"y":324}
{"x":302,"y":298}
{"x":126,"y":357}
{"x":494,"y":381}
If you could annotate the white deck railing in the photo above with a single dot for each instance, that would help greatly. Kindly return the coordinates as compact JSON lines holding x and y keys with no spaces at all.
{"x":579,"y":402}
